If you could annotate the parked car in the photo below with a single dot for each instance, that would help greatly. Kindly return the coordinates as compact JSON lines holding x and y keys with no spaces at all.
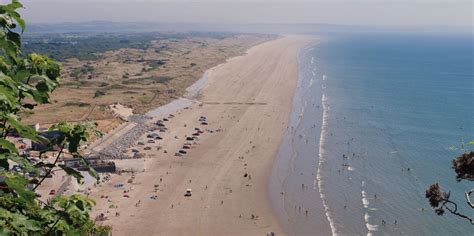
{"x":17,"y":168}
{"x":188,"y":193}
{"x":147,"y":148}
{"x":52,"y":192}
{"x":151,"y":141}
{"x":141,"y":143}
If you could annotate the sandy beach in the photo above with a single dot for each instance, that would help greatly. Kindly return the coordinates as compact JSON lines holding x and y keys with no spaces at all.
{"x":247,"y":103}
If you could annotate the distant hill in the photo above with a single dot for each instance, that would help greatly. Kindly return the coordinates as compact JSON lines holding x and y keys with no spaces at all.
{"x":120,"y":27}
{"x":106,"y":26}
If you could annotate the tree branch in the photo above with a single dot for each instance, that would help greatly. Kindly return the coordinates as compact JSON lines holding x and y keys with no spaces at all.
{"x":455,"y":210}
{"x":468,"y":198}
{"x":51,"y":169}
{"x":52,"y":208}
{"x":52,"y":227}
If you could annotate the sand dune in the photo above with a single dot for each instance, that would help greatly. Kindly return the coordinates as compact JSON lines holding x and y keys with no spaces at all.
{"x":249,"y":98}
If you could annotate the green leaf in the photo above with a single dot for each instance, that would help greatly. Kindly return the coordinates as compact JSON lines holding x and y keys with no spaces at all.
{"x":9,"y":83}
{"x":7,"y":145}
{"x":14,"y":37}
{"x":4,"y":165}
{"x":15,"y":4}
{"x":76,"y":174}
{"x":80,"y":205}
{"x":93,"y":173}
{"x":39,"y":96}
{"x":20,"y":21}
{"x":18,"y":184}
{"x":25,"y":131}
{"x":8,"y":97}
{"x":27,"y":166}
{"x":10,"y":49}
{"x":45,"y":164}
{"x":47,"y":84}
{"x":21,"y":75}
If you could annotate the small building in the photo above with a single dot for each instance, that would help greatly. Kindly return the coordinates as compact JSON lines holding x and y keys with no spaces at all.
{"x":99,"y":165}
{"x":49,"y":136}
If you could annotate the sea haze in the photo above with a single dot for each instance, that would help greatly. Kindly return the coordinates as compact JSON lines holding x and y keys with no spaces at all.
{"x":377,"y":118}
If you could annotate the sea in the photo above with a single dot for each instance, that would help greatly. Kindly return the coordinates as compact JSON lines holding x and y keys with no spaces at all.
{"x":377,"y":118}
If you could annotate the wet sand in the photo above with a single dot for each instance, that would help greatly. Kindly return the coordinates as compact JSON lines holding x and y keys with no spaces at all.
{"x":249,"y":99}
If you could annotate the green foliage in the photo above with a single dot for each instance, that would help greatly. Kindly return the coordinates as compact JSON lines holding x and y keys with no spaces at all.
{"x":99,"y":93}
{"x":84,"y":46}
{"x":26,"y":81}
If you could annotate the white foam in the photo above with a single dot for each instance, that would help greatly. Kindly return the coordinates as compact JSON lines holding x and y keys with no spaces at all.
{"x":371,"y":228}
{"x":322,"y":159}
{"x":365,"y":203}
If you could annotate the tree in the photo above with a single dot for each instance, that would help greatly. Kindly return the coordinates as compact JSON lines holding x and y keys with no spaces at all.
{"x":439,"y":200}
{"x":25,"y":82}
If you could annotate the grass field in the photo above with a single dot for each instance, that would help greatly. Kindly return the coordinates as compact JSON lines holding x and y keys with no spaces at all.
{"x":143,"y":74}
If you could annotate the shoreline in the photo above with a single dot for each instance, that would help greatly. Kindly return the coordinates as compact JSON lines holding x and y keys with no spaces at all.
{"x":229,"y":170}
{"x":295,"y":183}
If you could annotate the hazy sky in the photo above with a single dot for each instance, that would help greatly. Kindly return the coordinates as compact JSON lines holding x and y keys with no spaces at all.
{"x":358,"y":12}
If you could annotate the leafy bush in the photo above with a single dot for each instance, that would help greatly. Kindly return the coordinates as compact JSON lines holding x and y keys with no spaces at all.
{"x":33,"y":77}
{"x":98,"y":93}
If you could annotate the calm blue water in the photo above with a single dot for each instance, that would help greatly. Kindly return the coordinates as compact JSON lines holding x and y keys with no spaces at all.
{"x":396,"y":109}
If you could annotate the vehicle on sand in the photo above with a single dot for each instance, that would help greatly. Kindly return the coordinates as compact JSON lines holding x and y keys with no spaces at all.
{"x":188,"y":193}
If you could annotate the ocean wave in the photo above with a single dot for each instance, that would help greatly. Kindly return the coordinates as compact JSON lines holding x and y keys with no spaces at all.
{"x":365,"y":202}
{"x":322,"y":160}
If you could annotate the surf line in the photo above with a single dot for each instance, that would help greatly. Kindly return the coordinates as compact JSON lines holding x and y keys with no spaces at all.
{"x":322,"y":160}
